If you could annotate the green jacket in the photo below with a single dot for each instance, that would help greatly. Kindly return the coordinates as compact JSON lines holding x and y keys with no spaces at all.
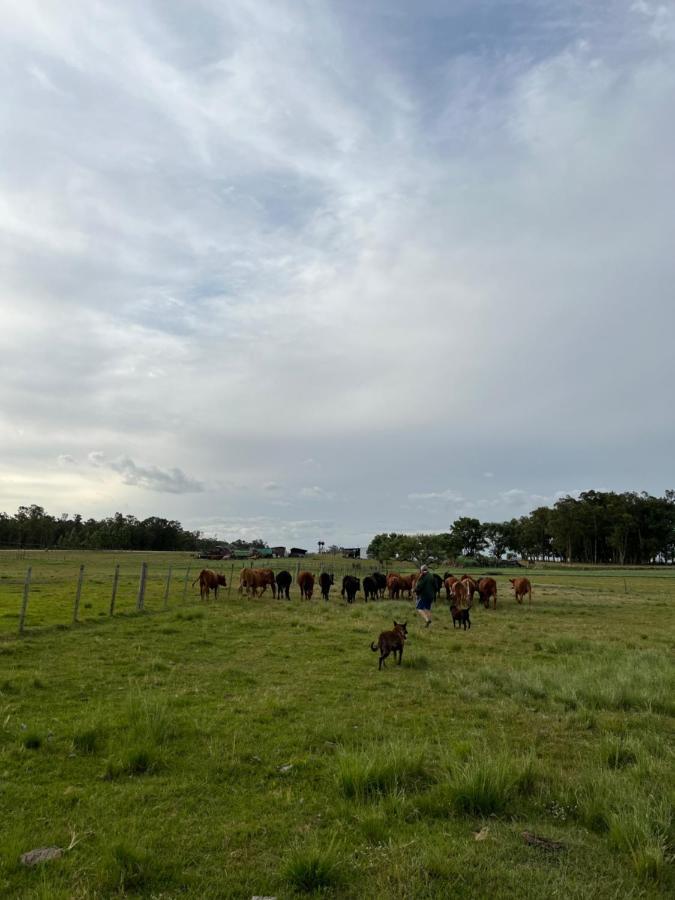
{"x":426,"y":587}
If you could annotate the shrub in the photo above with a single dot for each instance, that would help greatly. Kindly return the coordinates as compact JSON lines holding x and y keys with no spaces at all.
{"x":86,"y":741}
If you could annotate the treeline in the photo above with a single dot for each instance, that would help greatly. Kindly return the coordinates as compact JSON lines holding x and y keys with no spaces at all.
{"x":597,"y":527}
{"x":32,"y":527}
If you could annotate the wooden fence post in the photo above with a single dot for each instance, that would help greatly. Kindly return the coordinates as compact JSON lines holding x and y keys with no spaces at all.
{"x":140,"y":599}
{"x":24,"y":601}
{"x":78,"y":594}
{"x":166,"y":589}
{"x":185,"y":582}
{"x":116,"y":578}
{"x":229,"y":583}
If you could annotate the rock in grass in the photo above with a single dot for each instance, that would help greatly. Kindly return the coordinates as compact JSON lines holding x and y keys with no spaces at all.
{"x":535,"y":840}
{"x":42,"y":854}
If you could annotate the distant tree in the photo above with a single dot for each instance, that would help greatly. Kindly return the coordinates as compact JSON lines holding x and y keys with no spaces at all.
{"x":468,"y":536}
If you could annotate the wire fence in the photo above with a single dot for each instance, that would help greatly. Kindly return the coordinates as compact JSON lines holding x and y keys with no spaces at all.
{"x":62,"y":591}
{"x":46,"y":595}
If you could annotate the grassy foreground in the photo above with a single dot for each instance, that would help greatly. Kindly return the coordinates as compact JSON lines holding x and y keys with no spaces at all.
{"x":251,"y":747}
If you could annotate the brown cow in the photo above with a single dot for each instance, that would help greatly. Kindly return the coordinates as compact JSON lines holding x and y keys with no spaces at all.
{"x":472,"y":586}
{"x":209,"y":581}
{"x":521,"y":586}
{"x":462,"y":595}
{"x":408,"y":583}
{"x":448,"y":582}
{"x":252,"y":580}
{"x":487,"y":587}
{"x":306,"y":584}
{"x":393,"y":586}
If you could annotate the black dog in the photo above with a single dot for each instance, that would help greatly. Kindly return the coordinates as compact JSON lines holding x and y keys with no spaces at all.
{"x":461,"y":616}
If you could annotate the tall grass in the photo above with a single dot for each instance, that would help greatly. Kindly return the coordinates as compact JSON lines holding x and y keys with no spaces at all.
{"x":382,"y":770}
{"x":313,"y":868}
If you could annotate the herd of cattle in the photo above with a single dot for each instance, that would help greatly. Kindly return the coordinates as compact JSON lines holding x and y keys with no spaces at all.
{"x":459,"y":591}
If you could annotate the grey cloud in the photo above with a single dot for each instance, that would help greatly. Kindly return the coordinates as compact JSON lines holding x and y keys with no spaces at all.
{"x":65,"y":459}
{"x":153,"y":478}
{"x":316,"y":493}
{"x":417,"y":267}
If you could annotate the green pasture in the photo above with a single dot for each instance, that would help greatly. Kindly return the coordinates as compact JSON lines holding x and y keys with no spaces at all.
{"x":251,"y":747}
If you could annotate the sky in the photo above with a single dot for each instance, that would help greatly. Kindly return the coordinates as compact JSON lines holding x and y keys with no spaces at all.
{"x":309,"y":270}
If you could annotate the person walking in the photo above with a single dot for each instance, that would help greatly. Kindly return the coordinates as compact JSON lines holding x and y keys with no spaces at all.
{"x":425,"y":588}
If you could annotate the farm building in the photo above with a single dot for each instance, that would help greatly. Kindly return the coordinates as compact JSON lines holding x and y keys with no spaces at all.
{"x":351,"y":552}
{"x":297,"y":551}
{"x":279,"y":552}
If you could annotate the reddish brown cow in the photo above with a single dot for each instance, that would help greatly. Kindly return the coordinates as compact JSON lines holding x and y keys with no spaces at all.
{"x":448,"y":582}
{"x":394,"y":586}
{"x":306,"y":584}
{"x":521,"y":586}
{"x":487,"y":588}
{"x":209,"y":581}
{"x":472,"y":586}
{"x":252,"y":580}
{"x":462,"y":595}
{"x":407,"y":583}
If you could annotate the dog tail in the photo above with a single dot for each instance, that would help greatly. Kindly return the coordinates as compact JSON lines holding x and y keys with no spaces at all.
{"x":374,"y":647}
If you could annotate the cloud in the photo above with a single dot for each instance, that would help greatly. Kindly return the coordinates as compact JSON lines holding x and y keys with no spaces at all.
{"x":316,"y":493}
{"x":153,"y":478}
{"x":271,"y":486}
{"x":360,"y":244}
{"x":448,"y":496}
{"x":65,"y":459}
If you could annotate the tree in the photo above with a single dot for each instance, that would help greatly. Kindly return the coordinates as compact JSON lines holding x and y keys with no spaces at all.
{"x":468,"y":536}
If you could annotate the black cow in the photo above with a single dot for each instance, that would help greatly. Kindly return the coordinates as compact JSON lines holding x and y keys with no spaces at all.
{"x":438,"y":581}
{"x":350,"y":585}
{"x":325,"y":581}
{"x":381,"y":582}
{"x":284,"y":580}
{"x":370,"y":588}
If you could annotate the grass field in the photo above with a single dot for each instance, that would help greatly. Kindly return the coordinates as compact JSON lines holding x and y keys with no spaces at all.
{"x":251,"y":747}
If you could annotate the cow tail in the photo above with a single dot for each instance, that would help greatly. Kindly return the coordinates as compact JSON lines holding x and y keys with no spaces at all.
{"x":374,"y":647}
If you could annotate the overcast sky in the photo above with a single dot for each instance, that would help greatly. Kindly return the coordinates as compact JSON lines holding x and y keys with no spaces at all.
{"x":310,"y":270}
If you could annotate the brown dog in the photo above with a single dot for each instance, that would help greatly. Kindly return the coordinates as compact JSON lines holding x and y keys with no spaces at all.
{"x":391,"y":642}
